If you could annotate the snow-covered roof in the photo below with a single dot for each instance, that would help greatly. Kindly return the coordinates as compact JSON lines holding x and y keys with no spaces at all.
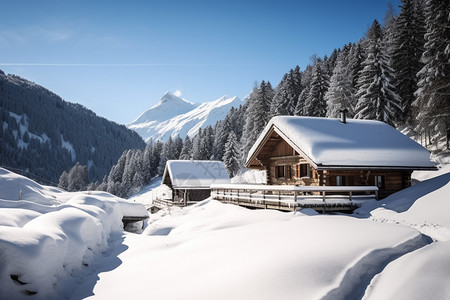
{"x":195,"y":173}
{"x":329,"y":143}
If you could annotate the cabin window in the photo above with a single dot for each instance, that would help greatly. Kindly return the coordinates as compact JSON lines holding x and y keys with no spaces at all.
{"x":303,"y":171}
{"x":379,"y":181}
{"x":284,"y":172}
{"x":341,"y":180}
{"x":280,"y":171}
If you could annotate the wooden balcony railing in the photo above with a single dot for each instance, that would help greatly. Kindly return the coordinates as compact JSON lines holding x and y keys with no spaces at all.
{"x":291,"y":198}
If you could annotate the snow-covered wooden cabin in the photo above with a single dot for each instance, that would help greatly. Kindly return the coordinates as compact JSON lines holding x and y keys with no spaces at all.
{"x":337,"y":152}
{"x":190,"y":180}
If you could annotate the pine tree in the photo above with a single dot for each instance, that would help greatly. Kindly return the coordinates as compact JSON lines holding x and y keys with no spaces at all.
{"x":406,"y":50}
{"x":256,"y":116}
{"x":300,"y":109}
{"x":433,"y":91}
{"x":355,"y":60}
{"x":198,"y":147}
{"x":166,"y":154}
{"x":78,"y":178}
{"x":64,"y":181}
{"x":315,"y":104}
{"x":146,"y":162}
{"x":208,"y":143}
{"x":186,"y":151}
{"x":177,"y":147}
{"x":231,"y":157}
{"x":340,"y":93}
{"x":287,"y":93}
{"x":222,"y":130}
{"x":156,"y":157}
{"x":376,"y":95}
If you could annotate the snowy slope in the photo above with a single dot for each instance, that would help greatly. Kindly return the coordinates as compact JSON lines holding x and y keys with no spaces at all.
{"x":173,"y":116}
{"x":47,"y":235}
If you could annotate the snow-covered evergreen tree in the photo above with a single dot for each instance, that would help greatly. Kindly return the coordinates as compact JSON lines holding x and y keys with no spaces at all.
{"x":147,"y":173}
{"x":232,"y":155}
{"x":186,"y":151}
{"x":340,"y":93}
{"x":199,"y":149}
{"x":156,"y":157}
{"x":78,"y":178}
{"x":177,"y":147}
{"x":64,"y":181}
{"x":433,"y":93}
{"x":208,"y":143}
{"x":256,"y":115}
{"x":315,"y":104}
{"x":222,"y":130}
{"x":376,"y":95}
{"x":287,"y":93}
{"x":406,"y":50}
{"x":355,"y":60}
{"x":300,"y":107}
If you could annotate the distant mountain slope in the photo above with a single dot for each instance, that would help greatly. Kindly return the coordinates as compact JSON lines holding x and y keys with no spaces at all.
{"x":45,"y":135}
{"x":181,"y":120}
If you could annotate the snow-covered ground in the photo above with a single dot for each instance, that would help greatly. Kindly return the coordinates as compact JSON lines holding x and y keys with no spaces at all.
{"x":48,"y":236}
{"x":397,"y":248}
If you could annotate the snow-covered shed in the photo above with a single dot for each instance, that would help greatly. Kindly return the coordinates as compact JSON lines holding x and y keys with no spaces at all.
{"x":328,"y":151}
{"x":190,"y":180}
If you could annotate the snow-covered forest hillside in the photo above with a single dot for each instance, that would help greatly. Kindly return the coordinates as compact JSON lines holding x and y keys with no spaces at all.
{"x":45,"y":135}
{"x":60,"y":245}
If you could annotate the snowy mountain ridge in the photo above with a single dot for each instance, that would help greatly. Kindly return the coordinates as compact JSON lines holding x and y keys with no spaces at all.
{"x":173,"y":116}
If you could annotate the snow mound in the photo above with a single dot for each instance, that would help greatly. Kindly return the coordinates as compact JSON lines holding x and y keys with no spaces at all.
{"x":47,"y":235}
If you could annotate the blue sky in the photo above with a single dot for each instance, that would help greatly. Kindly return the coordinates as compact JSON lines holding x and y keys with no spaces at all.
{"x":118,"y":58}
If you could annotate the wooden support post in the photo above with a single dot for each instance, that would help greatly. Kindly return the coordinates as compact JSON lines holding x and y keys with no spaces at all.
{"x":295,"y":196}
{"x":350,"y":195}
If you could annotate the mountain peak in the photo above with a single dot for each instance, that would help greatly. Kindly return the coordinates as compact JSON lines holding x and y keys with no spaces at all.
{"x":167,"y":107}
{"x":164,"y":119}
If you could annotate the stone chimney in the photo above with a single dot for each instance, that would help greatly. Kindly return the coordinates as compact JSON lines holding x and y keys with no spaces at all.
{"x":344,"y":115}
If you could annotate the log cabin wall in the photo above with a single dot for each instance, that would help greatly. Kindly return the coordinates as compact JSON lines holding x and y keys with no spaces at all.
{"x":293,"y":170}
{"x":388,"y":181}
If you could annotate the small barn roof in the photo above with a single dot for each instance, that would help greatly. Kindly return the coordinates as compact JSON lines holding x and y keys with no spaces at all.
{"x":194,"y":174}
{"x":327,"y":143}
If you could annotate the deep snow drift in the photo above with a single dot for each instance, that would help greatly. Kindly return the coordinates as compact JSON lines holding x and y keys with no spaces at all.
{"x":47,"y":235}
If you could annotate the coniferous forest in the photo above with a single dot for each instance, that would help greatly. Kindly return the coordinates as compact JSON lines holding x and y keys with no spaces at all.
{"x":43,"y":135}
